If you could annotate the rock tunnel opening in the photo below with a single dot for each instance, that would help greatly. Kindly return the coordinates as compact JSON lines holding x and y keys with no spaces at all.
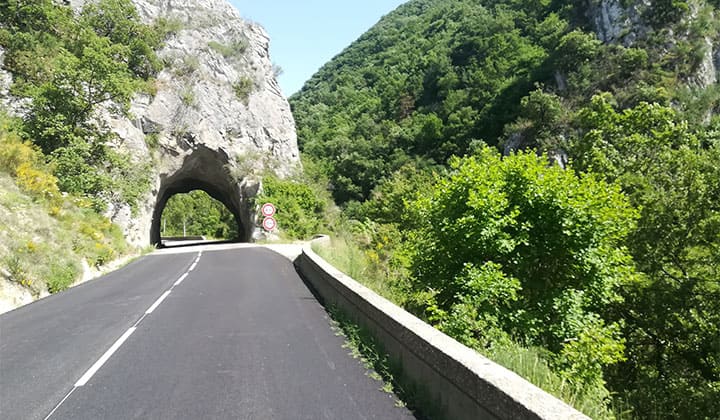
{"x":204,"y":169}
{"x":196,"y":215}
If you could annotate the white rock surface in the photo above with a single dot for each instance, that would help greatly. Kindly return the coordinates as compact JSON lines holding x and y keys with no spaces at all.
{"x":615,"y":22}
{"x":200,"y":122}
{"x":624,"y":24}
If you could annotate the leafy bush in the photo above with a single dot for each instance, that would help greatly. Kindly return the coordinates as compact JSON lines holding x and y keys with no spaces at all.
{"x":670,"y":173}
{"x":243,"y":88}
{"x":62,"y":275}
{"x":37,"y":182}
{"x":68,"y":64}
{"x":300,"y":210}
{"x":536,"y":252}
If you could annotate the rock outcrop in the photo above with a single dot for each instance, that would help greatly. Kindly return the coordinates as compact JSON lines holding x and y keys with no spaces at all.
{"x":617,"y":21}
{"x":217,"y":119}
{"x":623,"y":22}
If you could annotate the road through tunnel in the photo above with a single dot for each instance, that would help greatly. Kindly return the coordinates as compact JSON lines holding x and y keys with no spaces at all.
{"x":205,"y":169}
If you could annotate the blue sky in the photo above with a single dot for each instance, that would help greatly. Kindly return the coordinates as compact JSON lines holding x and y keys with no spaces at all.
{"x":304,"y":35}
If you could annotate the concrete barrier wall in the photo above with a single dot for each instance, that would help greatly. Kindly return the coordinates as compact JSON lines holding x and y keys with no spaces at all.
{"x":461,"y":383}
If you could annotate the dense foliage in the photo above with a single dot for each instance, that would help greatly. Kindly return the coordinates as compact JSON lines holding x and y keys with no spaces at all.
{"x":301,"y":209}
{"x":610,"y":266}
{"x":63,"y":165}
{"x":437,"y":75}
{"x":536,"y":252}
{"x":198,"y":214}
{"x":69,"y":65}
{"x":32,"y":207}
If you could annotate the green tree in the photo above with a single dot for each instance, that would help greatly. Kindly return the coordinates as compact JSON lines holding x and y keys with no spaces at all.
{"x":197,"y":214}
{"x":536,"y":252}
{"x":672,"y":318}
{"x":68,"y":65}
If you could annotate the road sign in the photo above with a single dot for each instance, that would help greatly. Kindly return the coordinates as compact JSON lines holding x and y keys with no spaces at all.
{"x":269,"y":224}
{"x":268,"y":210}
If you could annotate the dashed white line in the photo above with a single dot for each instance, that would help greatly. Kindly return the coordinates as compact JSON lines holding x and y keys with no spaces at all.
{"x":180,"y":280}
{"x":157,"y":302}
{"x":119,"y":342}
{"x":104,"y":358}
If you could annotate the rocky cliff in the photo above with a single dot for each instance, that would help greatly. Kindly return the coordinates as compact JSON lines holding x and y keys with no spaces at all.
{"x":627,"y":22}
{"x":217,"y":119}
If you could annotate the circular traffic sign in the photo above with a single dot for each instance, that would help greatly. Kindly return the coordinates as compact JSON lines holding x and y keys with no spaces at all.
{"x":269,"y":224}
{"x":268,"y":210}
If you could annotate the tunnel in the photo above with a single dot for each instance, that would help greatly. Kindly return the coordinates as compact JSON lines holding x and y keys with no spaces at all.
{"x":205,"y":169}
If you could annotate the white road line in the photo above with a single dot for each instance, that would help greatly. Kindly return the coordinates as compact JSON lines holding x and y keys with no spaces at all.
{"x":108,"y":354}
{"x":180,"y":280}
{"x":101,"y":361}
{"x":140,"y":320}
{"x":157,"y":303}
{"x":60,"y":403}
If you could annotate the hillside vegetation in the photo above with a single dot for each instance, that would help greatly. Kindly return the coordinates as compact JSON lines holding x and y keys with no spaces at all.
{"x":59,"y":167}
{"x":520,"y":184}
{"x":45,"y":235}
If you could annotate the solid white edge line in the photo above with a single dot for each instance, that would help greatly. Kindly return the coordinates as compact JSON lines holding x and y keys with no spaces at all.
{"x":60,"y":403}
{"x":192,"y":267}
{"x":180,"y":280}
{"x":104,"y":358}
{"x":157,"y":302}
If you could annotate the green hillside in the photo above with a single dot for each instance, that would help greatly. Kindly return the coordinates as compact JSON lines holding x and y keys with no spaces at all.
{"x":608,"y":271}
{"x":58,"y":168}
{"x":435,"y":76}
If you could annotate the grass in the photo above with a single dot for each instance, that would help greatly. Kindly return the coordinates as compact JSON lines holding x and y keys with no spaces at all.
{"x":367,"y":349}
{"x":529,"y":363}
{"x":353,"y":261}
{"x":234,"y":50}
{"x":42,"y":246}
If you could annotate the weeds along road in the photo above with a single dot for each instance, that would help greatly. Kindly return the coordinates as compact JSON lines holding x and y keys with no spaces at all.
{"x":224,"y":333}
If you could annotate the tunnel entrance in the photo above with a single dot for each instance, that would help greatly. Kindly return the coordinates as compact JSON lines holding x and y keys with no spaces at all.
{"x":205,"y":169}
{"x":197,"y":215}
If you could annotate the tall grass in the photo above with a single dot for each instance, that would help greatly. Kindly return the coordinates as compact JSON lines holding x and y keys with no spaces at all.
{"x":344,"y":254}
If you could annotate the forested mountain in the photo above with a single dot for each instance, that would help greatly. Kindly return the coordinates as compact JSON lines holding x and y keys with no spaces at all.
{"x":434,"y":76}
{"x":610,"y":267}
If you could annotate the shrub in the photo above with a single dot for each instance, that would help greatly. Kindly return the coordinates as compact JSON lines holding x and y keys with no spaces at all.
{"x":234,"y":50}
{"x":62,"y":275}
{"x":514,"y":246}
{"x":300,"y":211}
{"x":243,"y":88}
{"x":187,"y":97}
{"x":37,"y":182}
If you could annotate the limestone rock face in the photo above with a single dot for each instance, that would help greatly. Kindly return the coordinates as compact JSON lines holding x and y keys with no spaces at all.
{"x":615,"y":22}
{"x":618,"y":21}
{"x":14,"y":106}
{"x":217,"y":119}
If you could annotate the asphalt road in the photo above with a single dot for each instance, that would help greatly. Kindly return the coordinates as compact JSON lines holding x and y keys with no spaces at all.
{"x":229,"y":333}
